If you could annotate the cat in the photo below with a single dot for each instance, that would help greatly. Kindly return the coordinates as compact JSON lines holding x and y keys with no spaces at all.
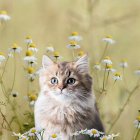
{"x":66,"y":102}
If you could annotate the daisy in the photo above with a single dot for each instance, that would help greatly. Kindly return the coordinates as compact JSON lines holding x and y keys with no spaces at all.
{"x":56,"y":55}
{"x":123,"y":64}
{"x":54,"y":137}
{"x":108,"y":39}
{"x":137,"y":72}
{"x":137,"y":122}
{"x":107,"y":60}
{"x":50,"y":49}
{"x":15,"y":49}
{"x":75,"y":37}
{"x":32,"y":132}
{"x":28,"y":40}
{"x":112,"y":136}
{"x":29,"y":58}
{"x":97,"y":66}
{"x":32,"y":47}
{"x":73,"y":45}
{"x":30,"y":70}
{"x":109,"y":68}
{"x":32,"y":103}
{"x":4,"y":16}
{"x":104,"y":138}
{"x":2,"y":57}
{"x":117,"y":76}
{"x":93,"y":132}
{"x":32,"y":76}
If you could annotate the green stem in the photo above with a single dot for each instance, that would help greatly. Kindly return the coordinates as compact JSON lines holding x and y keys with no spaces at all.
{"x":105,"y":50}
{"x":14,"y":73}
{"x":123,"y":107}
{"x":104,"y":78}
{"x":137,"y":134}
{"x":4,"y":68}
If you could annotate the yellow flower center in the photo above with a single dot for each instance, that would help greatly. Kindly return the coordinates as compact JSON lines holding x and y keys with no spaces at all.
{"x":97,"y":63}
{"x":33,"y":97}
{"x":30,"y":70}
{"x":3,"y":12}
{"x":104,"y":138}
{"x":94,"y":131}
{"x":109,"y":36}
{"x":33,"y":130}
{"x":24,"y":139}
{"x":15,"y":46}
{"x":54,"y":136}
{"x":124,"y":60}
{"x":73,"y":43}
{"x":56,"y":54}
{"x":138,"y":118}
{"x":107,"y":57}
{"x":109,"y":66}
{"x":74,"y":33}
{"x":29,"y":53}
{"x":117,"y":74}
{"x":1,"y":53}
{"x":81,"y":53}
{"x":28,"y":37}
{"x":32,"y":45}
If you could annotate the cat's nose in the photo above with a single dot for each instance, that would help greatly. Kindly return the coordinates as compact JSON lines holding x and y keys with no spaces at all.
{"x":61,"y":87}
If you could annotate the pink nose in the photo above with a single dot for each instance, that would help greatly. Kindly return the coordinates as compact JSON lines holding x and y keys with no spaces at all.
{"x":61,"y":87}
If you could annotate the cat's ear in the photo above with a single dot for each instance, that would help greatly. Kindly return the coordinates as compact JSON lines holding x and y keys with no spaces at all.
{"x":46,"y":61}
{"x":82,"y":64}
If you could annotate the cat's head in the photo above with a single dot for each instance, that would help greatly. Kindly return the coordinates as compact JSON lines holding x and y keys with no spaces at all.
{"x":66,"y":80}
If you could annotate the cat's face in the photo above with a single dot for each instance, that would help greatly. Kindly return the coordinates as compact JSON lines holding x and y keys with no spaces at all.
{"x":66,"y":80}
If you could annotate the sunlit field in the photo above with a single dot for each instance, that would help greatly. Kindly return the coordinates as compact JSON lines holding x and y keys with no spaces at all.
{"x":106,"y":31}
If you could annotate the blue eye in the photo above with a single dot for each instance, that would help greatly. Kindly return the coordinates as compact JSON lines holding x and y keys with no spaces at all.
{"x":54,"y":80}
{"x":71,"y":81}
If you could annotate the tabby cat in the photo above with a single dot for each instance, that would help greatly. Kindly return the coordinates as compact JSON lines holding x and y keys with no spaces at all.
{"x":66,"y":102}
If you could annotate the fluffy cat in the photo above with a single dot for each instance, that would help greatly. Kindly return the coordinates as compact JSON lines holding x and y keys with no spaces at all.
{"x":66,"y":102}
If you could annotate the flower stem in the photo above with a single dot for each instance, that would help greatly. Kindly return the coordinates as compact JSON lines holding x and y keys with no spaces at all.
{"x":105,"y":50}
{"x":137,"y":134}
{"x":123,"y":107}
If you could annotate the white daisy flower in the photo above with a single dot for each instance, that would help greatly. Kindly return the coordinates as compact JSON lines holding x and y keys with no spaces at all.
{"x":109,"y":68}
{"x":28,"y":40}
{"x":97,"y":66}
{"x":20,"y":136}
{"x":73,"y":45}
{"x":29,"y":58}
{"x":108,"y":39}
{"x":137,"y":122}
{"x":112,"y":136}
{"x":4,"y":16}
{"x":32,"y":132}
{"x":104,"y":138}
{"x":15,"y":49}
{"x":32,"y":47}
{"x":50,"y":49}
{"x":56,"y":55}
{"x":137,"y":72}
{"x":123,"y":64}
{"x":54,"y":137}
{"x":107,"y":61}
{"x":2,"y":57}
{"x":93,"y":133}
{"x":75,"y":37}
{"x":32,"y":103}
{"x":32,"y":76}
{"x":117,"y":76}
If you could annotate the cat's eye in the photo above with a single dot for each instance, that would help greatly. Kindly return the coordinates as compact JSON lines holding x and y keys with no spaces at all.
{"x":54,"y":80}
{"x":71,"y":81}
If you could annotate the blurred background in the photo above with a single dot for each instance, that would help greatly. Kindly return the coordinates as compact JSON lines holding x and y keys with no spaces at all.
{"x":52,"y":21}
